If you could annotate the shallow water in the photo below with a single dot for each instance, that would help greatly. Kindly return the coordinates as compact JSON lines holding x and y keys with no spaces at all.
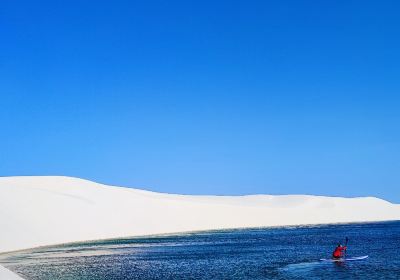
{"x":274,"y":253}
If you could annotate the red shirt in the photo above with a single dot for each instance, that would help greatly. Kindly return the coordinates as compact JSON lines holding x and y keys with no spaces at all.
{"x":339,"y":251}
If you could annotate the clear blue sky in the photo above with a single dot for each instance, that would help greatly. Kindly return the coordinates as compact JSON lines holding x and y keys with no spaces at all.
{"x":213,"y":97}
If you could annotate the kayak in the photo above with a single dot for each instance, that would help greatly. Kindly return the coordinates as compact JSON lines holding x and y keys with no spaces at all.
{"x":344,"y":259}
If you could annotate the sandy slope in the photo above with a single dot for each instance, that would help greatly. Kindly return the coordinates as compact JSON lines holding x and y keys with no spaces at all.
{"x":5,"y":274}
{"x":37,"y":211}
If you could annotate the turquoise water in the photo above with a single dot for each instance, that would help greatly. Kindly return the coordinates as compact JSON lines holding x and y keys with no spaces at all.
{"x":274,"y":253}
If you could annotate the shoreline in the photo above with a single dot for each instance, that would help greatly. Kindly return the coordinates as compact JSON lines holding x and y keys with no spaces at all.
{"x":184,"y":233}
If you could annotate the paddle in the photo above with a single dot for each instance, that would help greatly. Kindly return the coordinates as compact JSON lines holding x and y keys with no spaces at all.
{"x":345,"y":251}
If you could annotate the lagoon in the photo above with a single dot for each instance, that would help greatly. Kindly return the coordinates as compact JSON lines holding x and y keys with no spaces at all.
{"x":261,"y":253}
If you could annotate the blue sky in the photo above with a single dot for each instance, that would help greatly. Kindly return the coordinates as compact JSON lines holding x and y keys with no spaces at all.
{"x":213,"y":97}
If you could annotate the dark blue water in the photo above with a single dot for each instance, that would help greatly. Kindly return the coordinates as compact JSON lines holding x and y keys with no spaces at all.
{"x":278,"y":253}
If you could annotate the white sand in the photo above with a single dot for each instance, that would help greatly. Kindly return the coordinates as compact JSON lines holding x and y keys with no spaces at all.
{"x":5,"y":274}
{"x":36,"y":211}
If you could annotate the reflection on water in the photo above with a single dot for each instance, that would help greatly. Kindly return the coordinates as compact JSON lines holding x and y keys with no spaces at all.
{"x":278,"y":253}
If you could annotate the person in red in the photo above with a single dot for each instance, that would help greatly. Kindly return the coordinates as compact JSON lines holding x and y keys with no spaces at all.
{"x":339,"y":251}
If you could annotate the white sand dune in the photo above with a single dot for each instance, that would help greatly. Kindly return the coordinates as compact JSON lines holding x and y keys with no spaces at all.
{"x":37,"y":211}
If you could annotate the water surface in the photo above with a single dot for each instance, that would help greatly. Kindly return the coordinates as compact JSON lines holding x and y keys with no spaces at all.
{"x":267,"y":253}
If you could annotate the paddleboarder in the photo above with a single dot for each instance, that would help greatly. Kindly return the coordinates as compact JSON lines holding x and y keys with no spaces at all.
{"x":339,"y":251}
{"x":339,"y":255}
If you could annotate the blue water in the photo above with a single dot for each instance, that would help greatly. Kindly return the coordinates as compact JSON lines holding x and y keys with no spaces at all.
{"x":274,"y":253}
